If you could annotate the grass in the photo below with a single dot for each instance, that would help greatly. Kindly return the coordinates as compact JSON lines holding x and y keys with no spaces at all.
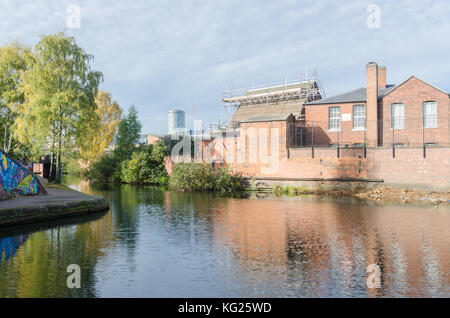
{"x":291,"y":191}
{"x":52,"y":185}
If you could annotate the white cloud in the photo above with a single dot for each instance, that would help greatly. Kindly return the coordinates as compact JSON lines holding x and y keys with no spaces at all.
{"x":165,"y":54}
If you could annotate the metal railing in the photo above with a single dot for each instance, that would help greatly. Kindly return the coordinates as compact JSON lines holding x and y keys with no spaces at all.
{"x":433,"y":131}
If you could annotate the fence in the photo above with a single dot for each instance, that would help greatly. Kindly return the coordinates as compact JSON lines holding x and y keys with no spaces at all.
{"x":432,"y":131}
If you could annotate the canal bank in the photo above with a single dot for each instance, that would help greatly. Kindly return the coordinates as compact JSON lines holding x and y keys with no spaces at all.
{"x":364,"y":189}
{"x":58,"y":203}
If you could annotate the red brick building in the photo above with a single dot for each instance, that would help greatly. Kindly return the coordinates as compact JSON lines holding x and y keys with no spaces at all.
{"x":290,"y":139}
{"x":413,"y":113}
{"x":153,"y":139}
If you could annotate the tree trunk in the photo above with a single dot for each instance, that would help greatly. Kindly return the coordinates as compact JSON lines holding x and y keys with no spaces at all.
{"x":10,"y":142}
{"x":52,"y":173}
{"x":5,"y":147}
{"x":58,"y":169}
{"x":58,"y":162}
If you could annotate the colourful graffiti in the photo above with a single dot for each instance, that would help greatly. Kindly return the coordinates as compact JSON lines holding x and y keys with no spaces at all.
{"x":15,"y":179}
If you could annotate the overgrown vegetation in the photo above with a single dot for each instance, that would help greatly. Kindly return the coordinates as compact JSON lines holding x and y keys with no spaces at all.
{"x":201,"y":177}
{"x":146,"y":166}
{"x":129,"y":162}
{"x":106,"y":169}
{"x":291,"y":190}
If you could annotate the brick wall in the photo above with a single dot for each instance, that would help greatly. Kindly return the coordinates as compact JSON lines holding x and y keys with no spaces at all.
{"x":409,"y":167}
{"x":317,"y":123}
{"x":412,"y":94}
{"x":151,"y":140}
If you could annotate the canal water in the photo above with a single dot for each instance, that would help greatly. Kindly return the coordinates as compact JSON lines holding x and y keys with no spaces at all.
{"x":156,"y":243}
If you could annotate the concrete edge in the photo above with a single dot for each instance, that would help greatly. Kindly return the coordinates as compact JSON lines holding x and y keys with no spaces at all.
{"x":50,"y":211}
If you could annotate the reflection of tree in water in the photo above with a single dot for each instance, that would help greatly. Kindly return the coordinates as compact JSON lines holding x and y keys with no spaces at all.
{"x":190,"y":216}
{"x":39,"y":266}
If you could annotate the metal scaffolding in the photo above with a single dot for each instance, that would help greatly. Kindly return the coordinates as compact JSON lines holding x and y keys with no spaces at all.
{"x":302,"y":90}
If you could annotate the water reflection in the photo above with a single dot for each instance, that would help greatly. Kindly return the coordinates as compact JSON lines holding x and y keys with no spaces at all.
{"x":9,"y":245}
{"x":38,"y":266}
{"x":156,"y":243}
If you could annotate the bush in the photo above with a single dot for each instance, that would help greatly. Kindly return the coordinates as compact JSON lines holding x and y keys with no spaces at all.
{"x":192,"y":177}
{"x":144,"y":167}
{"x":106,"y":169}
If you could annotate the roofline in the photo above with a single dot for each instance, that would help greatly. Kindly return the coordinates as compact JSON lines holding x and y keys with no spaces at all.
{"x":280,"y":85}
{"x":260,"y":121}
{"x":336,"y":103}
{"x":246,"y":121}
{"x":413,"y":76}
{"x":324,"y":101}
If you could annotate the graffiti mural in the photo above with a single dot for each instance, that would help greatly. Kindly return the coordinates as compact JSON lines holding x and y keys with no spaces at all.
{"x":15,"y":179}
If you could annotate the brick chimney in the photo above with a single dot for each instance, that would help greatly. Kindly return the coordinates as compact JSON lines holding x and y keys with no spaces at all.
{"x":372,"y":84}
{"x":382,"y":77}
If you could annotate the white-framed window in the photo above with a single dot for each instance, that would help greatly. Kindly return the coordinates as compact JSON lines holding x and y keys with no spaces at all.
{"x":430,"y":119}
{"x":398,"y":116}
{"x":334,"y":118}
{"x":359,"y":117}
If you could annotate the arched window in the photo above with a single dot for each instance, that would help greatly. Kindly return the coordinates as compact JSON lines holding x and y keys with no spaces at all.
{"x":430,"y":119}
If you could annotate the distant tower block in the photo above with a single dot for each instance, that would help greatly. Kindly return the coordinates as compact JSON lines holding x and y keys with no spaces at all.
{"x":176,"y":122}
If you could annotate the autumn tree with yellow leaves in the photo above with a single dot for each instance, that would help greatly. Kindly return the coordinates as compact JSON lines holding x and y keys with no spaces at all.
{"x":100,"y":133}
{"x":59,"y":88}
{"x":15,"y":59}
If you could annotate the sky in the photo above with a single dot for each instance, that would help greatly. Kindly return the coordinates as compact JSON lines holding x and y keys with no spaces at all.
{"x":182,"y":54}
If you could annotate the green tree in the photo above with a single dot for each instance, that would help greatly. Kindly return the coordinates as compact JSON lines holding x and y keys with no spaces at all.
{"x":108,"y":167}
{"x":128,"y":135}
{"x":146,"y":166}
{"x":15,"y":59}
{"x":105,"y":169}
{"x":60,"y":89}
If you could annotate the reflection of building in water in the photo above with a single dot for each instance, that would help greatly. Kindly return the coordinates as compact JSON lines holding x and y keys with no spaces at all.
{"x":258,"y":234}
{"x":330,"y":245}
{"x":9,"y":246}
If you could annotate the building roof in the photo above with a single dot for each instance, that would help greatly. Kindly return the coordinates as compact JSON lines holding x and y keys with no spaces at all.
{"x":266,"y":117}
{"x":397,"y":86}
{"x":273,"y":103}
{"x":279,"y":88}
{"x":357,"y":95}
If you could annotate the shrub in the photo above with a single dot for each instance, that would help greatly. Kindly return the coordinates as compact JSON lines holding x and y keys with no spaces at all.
{"x":191,"y":177}
{"x":290,"y":190}
{"x":106,"y":169}
{"x":143,"y":168}
{"x":225,"y":181}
